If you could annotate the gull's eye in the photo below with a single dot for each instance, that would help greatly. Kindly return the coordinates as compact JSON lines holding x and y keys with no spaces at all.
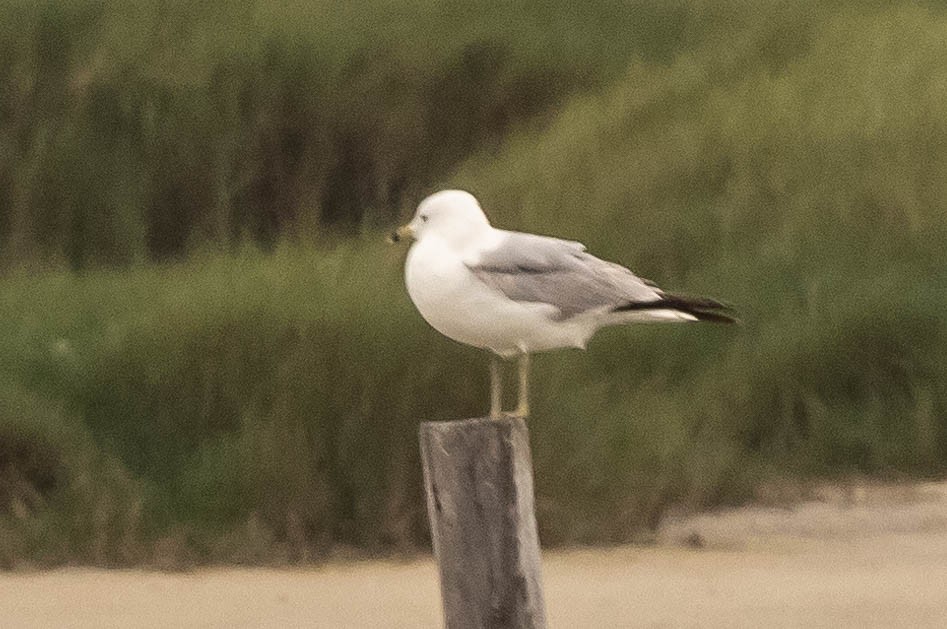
{"x":424,"y":218}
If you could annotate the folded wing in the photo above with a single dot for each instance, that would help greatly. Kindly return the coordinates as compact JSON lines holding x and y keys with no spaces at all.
{"x":530,"y":268}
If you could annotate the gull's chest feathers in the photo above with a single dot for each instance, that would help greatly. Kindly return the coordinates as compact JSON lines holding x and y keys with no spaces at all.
{"x":460,"y":306}
{"x":450,"y":298}
{"x":436,"y":278}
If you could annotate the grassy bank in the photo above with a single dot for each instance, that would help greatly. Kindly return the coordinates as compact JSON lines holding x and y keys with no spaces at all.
{"x":145,"y":131}
{"x":255,"y":404}
{"x":265,"y":409}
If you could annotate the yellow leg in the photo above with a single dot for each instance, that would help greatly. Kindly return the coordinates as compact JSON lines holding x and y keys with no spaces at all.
{"x":522,"y":406}
{"x":496,"y":388}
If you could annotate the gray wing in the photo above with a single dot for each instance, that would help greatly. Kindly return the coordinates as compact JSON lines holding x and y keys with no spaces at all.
{"x":530,"y":268}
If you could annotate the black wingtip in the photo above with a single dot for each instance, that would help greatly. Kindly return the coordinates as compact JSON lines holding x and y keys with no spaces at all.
{"x":702,"y":308}
{"x":714,"y":317}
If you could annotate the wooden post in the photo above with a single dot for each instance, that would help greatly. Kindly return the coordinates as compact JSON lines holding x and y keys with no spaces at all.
{"x":478,"y":477}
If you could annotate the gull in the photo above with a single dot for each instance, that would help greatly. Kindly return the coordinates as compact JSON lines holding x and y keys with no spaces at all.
{"x":516,"y":294}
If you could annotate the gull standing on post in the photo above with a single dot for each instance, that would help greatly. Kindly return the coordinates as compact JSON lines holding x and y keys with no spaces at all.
{"x":515,"y":293}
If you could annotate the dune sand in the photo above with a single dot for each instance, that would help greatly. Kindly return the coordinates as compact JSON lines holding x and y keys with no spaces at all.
{"x":868,"y":556}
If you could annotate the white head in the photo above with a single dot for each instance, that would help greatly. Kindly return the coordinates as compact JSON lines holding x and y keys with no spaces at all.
{"x":453,"y":215}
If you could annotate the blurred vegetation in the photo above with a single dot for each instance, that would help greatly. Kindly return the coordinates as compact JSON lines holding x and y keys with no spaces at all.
{"x":145,"y":131}
{"x":208,"y":354}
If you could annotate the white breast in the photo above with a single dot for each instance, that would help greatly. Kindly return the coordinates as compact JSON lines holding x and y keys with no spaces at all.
{"x":458,"y":305}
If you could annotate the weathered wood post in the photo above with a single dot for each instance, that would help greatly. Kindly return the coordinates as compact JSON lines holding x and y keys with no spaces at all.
{"x":478,"y":477}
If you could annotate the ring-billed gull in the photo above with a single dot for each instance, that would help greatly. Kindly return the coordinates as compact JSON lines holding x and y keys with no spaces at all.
{"x":515,"y":293}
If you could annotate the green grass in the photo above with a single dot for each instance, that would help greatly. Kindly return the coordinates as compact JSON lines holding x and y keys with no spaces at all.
{"x":146,"y":131}
{"x":258,"y":400}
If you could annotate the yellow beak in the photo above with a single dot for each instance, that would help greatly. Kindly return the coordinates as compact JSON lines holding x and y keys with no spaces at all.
{"x":402,"y":233}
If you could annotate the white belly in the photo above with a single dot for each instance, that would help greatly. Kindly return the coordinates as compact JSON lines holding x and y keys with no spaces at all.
{"x":459,"y":306}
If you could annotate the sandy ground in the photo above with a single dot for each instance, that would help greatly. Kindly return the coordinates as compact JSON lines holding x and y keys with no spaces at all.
{"x":858,"y":557}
